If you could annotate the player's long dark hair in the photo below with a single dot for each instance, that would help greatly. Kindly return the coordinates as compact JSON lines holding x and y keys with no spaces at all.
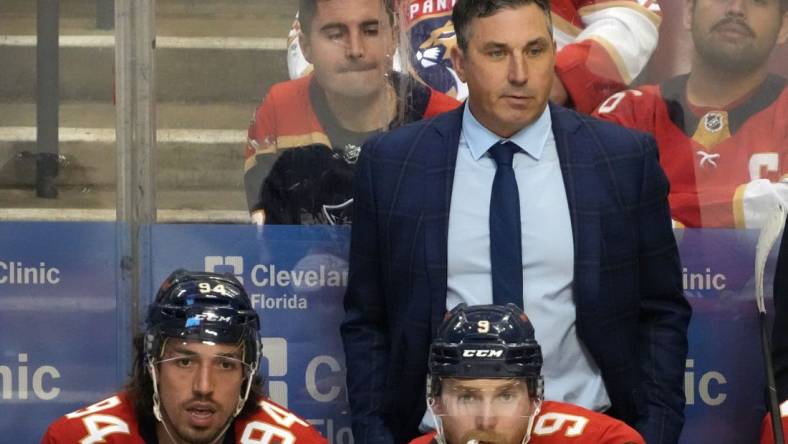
{"x":139,"y":388}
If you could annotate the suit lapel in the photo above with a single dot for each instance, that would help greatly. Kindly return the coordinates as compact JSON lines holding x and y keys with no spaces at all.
{"x":582,"y":193}
{"x":440,"y":159}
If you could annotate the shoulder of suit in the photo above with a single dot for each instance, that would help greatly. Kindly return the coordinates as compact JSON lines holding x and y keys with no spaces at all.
{"x":608,"y":136}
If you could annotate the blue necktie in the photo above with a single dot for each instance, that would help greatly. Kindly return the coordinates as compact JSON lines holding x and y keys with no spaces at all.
{"x":506,"y":252}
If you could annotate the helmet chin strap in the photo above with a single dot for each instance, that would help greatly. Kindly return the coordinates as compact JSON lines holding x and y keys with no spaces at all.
{"x":531,"y":418}
{"x":155,"y":382}
{"x":160,"y":417}
{"x":440,"y":438}
{"x":242,"y":398}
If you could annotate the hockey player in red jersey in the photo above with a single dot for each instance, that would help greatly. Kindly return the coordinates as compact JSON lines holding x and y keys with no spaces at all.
{"x":195,"y":377}
{"x":721,"y":129}
{"x":485,"y":386}
{"x":602,"y":46}
{"x":307,"y":133}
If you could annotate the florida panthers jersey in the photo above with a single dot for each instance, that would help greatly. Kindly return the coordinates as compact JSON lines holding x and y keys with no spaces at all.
{"x":727,"y":167}
{"x":113,"y":421}
{"x":603,"y":45}
{"x":559,"y":422}
{"x":300,"y":160}
{"x":767,"y":435}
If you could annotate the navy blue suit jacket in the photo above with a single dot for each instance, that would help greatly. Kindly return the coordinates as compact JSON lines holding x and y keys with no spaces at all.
{"x":631,"y":312}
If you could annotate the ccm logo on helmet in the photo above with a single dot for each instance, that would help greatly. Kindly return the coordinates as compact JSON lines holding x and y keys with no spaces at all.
{"x":470,"y":353}
{"x":210,"y":317}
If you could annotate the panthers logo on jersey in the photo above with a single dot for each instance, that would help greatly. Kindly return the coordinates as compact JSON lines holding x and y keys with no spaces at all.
{"x":431,"y":42}
{"x":435,"y":50}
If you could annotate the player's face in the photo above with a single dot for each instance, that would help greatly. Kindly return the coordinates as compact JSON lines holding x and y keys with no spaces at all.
{"x":508,"y":66}
{"x":199,"y":385}
{"x":736,"y":35}
{"x":487,"y":410}
{"x":350,"y":45}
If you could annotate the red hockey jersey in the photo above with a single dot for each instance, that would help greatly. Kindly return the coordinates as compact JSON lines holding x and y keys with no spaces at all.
{"x":559,"y":422}
{"x":728,"y":167}
{"x":113,"y":421}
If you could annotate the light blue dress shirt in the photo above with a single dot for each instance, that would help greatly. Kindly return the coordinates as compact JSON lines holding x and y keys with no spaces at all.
{"x":569,"y":371}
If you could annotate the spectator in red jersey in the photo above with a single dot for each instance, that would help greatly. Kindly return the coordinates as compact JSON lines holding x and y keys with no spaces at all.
{"x":721,"y":129}
{"x":194,"y":378}
{"x":306,"y":134}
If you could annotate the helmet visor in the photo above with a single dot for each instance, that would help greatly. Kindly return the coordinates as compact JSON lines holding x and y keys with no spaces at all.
{"x":224,"y":362}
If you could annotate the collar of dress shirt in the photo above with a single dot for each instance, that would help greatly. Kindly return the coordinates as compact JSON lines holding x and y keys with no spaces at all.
{"x":530,"y":139}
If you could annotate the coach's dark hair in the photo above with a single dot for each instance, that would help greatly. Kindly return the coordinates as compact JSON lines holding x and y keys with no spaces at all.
{"x":466,"y":10}
{"x":139,"y":387}
{"x":308,"y":8}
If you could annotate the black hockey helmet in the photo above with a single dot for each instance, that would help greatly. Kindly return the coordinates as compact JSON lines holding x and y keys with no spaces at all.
{"x":486,"y":342}
{"x":203,"y":306}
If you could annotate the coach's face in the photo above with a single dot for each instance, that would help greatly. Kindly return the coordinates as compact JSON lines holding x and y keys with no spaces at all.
{"x":350,"y":43}
{"x":508,"y":66}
